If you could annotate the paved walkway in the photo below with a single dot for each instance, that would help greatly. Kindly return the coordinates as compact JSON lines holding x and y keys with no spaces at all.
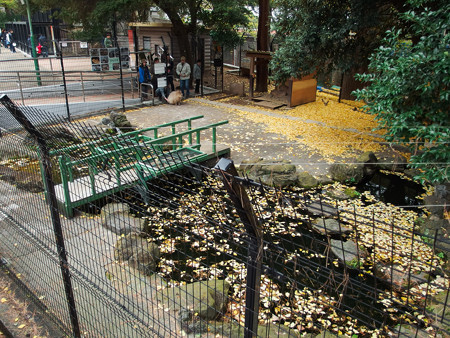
{"x":247,"y":140}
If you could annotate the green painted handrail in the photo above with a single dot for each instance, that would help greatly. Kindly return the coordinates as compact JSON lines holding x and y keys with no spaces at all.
{"x":126,"y":155}
{"x":129,"y":134}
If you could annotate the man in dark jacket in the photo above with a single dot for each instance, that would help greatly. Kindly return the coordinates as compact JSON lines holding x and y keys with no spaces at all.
{"x":144,"y":77}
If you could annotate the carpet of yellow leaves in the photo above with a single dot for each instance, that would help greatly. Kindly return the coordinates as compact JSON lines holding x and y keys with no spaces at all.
{"x":328,"y":110}
{"x":327,"y":127}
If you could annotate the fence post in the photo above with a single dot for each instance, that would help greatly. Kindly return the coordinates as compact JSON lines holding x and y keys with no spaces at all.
{"x":120,"y":61}
{"x":132,"y":85}
{"x":53,"y":206}
{"x":82,"y":86}
{"x":64,"y":82}
{"x":20,"y":87}
{"x":245,"y":211}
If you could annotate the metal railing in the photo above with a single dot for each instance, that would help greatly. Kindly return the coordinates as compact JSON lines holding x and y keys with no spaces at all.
{"x":41,"y":84}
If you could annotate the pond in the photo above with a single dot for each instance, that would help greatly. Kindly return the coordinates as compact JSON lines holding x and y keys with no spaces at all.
{"x":303,"y":285}
{"x":392,"y":188}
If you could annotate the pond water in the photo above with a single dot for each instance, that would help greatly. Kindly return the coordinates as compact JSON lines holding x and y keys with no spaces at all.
{"x":394,"y":189}
{"x":184,"y":218}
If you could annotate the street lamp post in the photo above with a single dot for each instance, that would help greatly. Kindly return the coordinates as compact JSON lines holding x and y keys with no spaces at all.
{"x":33,"y":46}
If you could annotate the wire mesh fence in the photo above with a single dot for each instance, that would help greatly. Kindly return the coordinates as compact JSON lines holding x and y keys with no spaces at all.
{"x":176,"y":248}
{"x":70,"y":83}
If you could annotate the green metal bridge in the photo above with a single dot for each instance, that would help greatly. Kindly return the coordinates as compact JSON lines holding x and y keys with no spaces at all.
{"x":96,"y":169}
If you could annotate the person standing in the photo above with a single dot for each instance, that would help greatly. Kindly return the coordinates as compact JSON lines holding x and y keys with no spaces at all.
{"x":108,"y":42}
{"x":197,"y":75}
{"x":3,"y":37}
{"x":43,"y":42}
{"x":184,"y":72}
{"x":12,"y":43}
{"x":144,"y":77}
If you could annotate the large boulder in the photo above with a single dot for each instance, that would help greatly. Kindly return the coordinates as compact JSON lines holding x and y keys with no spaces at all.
{"x":392,"y":162}
{"x":269,"y":172}
{"x":366,"y":166}
{"x":120,"y":121}
{"x":237,"y":89}
{"x":348,"y":252}
{"x":207,"y":299}
{"x":306,"y":180}
{"x":369,"y":162}
{"x":398,"y":276}
{"x":330,"y":226}
{"x":341,"y":194}
{"x":138,"y":252}
{"x":437,"y":202}
{"x":346,"y":173}
{"x":114,"y":208}
{"x":204,"y":300}
{"x":117,"y":218}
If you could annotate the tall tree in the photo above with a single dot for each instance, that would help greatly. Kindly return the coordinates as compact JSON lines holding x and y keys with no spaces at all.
{"x":12,"y":11}
{"x":321,"y":36}
{"x":262,"y":44}
{"x":187,"y":17}
{"x":409,"y":87}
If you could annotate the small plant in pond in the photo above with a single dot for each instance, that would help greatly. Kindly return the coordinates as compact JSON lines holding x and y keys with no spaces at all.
{"x":352,"y":193}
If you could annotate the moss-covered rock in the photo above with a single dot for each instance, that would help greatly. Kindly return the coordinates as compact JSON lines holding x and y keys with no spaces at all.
{"x":346,"y":173}
{"x":207,"y":299}
{"x":330,"y":226}
{"x":348,"y":252}
{"x":138,"y":252}
{"x":273,"y":173}
{"x":306,"y":180}
{"x":117,"y":218}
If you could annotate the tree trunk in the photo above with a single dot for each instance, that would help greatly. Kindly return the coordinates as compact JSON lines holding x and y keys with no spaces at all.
{"x":180,"y":30}
{"x":350,"y":84}
{"x":183,"y":43}
{"x":262,"y":43}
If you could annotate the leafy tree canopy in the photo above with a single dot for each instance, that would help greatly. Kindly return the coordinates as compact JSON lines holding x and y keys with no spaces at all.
{"x":188,"y":17}
{"x":323,"y":35}
{"x":227,"y":20}
{"x":11,"y":13}
{"x":409,"y":87}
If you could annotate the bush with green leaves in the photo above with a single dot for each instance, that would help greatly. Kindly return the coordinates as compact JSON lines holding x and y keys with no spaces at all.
{"x":409,"y":87}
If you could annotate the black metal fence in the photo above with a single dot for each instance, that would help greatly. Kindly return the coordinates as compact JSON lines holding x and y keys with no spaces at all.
{"x":67,"y":85}
{"x":203,"y":251}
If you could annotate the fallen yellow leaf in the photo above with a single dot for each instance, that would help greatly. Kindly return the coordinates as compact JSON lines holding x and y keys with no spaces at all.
{"x":4,"y":300}
{"x":21,"y":326}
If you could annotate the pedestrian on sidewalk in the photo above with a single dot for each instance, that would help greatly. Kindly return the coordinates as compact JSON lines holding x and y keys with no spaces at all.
{"x":7,"y":39}
{"x":197,"y":75}
{"x":184,"y":72}
{"x":144,"y":77}
{"x":11,"y":40}
{"x":108,"y":42}
{"x":43,"y":42}
{"x":3,"y":37}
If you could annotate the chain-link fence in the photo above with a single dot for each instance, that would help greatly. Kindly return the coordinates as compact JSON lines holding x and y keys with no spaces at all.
{"x":162,"y":246}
